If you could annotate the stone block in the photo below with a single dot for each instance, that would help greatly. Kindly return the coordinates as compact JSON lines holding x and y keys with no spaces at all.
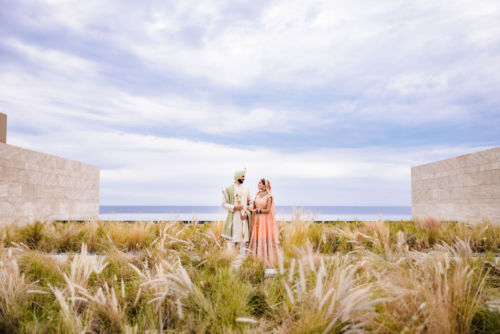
{"x":28,"y":191}
{"x":465,"y":188}
{"x":490,"y":166}
{"x":3,"y":128}
{"x":38,"y":186}
{"x":15,"y":189}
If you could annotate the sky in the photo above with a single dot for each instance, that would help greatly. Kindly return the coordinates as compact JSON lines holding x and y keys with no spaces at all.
{"x":333,"y":101}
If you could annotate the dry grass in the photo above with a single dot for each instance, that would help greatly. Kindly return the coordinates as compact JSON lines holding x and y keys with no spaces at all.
{"x":14,"y":291}
{"x":83,"y":265}
{"x":385,"y":277}
{"x":329,"y":297}
{"x":428,"y":223}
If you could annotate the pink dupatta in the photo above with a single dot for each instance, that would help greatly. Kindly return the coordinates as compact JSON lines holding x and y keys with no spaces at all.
{"x":273,"y":211}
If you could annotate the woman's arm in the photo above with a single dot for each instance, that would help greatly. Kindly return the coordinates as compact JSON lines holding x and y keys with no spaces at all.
{"x":268,"y":205}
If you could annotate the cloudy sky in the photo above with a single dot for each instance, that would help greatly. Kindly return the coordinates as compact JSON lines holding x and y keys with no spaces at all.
{"x":333,"y":101}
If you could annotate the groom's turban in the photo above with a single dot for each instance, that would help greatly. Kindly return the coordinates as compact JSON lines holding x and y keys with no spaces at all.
{"x":239,"y":174}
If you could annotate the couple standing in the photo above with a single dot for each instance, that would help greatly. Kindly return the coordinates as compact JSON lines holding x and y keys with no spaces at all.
{"x":251,"y":222}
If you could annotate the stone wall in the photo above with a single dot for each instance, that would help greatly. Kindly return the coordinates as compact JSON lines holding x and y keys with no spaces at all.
{"x":3,"y":128}
{"x":465,"y":188}
{"x":38,"y":186}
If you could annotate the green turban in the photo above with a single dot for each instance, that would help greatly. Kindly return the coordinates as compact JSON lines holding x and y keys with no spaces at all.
{"x":239,"y":174}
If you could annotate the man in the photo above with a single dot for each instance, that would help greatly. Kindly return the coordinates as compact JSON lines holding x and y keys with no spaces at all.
{"x":236,"y":200}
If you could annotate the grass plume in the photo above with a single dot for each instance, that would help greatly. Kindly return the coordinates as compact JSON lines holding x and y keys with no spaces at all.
{"x":384,"y":277}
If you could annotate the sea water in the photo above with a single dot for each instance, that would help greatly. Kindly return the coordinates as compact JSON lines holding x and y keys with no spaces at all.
{"x":213,"y":213}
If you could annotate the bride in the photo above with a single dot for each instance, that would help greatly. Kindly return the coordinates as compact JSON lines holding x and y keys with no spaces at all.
{"x":264,"y":237}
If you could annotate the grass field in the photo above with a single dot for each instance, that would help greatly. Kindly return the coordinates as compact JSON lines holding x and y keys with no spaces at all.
{"x":387,"y":277}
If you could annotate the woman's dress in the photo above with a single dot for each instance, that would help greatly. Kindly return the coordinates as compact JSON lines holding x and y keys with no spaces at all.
{"x":264,"y":238}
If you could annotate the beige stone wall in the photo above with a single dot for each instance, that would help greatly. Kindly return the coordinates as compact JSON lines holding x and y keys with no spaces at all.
{"x":465,"y":188}
{"x":38,"y":186}
{"x":3,"y":128}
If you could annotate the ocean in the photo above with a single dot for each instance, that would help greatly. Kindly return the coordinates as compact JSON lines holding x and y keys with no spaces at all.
{"x":213,"y":213}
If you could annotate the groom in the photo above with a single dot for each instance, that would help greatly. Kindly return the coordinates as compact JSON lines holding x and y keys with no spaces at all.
{"x":236,"y":201}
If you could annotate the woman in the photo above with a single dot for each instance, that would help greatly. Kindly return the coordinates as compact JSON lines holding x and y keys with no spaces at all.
{"x":264,"y":238}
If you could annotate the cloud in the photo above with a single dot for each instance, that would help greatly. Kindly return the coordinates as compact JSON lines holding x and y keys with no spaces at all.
{"x":306,"y":44}
{"x":395,"y":62}
{"x":65,"y":86}
{"x":333,"y":101}
{"x":388,"y":50}
{"x":50,"y":59}
{"x":148,"y":170}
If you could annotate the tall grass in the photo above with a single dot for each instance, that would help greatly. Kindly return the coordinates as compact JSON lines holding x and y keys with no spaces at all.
{"x":385,"y":277}
{"x":14,"y":292}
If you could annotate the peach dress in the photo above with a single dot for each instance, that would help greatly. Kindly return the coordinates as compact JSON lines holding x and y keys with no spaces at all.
{"x":264,"y":238}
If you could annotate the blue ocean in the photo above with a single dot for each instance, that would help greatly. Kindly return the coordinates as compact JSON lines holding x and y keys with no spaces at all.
{"x":213,"y":213}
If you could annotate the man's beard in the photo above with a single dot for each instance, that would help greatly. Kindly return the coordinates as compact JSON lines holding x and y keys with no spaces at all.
{"x":240,"y":181}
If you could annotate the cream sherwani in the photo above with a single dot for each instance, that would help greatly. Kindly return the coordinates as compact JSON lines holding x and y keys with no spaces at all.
{"x":240,"y":230}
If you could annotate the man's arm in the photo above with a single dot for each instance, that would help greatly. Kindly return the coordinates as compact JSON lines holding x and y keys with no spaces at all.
{"x":250,"y":204}
{"x":225,"y":202}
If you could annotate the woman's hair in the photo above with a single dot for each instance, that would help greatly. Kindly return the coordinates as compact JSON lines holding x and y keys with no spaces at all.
{"x":263,"y":182}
